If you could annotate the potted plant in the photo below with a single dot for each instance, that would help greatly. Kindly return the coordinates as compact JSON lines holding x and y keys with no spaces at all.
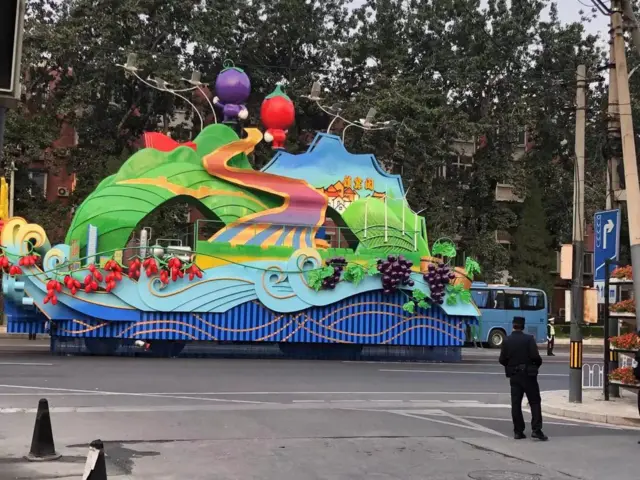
{"x":624,"y":376}
{"x":624,"y":306}
{"x":629,"y":341}
{"x":622,"y":273}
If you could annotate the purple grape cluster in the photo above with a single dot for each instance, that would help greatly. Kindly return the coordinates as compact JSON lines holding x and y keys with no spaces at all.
{"x":438,"y":277}
{"x":396,"y":272}
{"x":338,"y":264}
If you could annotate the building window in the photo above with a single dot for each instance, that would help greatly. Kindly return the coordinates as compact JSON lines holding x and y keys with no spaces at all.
{"x":588,"y":263}
{"x":38,"y":180}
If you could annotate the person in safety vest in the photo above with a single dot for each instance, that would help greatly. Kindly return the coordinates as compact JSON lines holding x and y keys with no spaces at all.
{"x":551,"y":337}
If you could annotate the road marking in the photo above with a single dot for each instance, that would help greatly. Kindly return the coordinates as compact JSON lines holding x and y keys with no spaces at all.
{"x":457,"y":372}
{"x":128,"y":394}
{"x":326,"y":393}
{"x":463,"y":423}
{"x":27,"y":364}
{"x":546,"y":422}
{"x":308,"y":401}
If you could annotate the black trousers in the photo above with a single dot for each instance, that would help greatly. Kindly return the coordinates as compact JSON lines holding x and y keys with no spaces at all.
{"x":521,"y":385}
{"x":550,"y":344}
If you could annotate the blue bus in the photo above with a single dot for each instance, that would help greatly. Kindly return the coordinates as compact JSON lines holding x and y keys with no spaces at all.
{"x":498,"y":305}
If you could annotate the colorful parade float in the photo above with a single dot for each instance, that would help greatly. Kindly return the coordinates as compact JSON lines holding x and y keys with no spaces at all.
{"x":318,"y":250}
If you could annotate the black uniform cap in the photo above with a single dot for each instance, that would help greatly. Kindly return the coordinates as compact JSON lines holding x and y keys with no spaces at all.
{"x":518,"y":322}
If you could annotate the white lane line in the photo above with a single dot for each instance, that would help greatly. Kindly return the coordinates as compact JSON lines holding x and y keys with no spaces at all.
{"x":464,"y":401}
{"x":26,"y":364}
{"x":308,"y":401}
{"x":324,"y":393}
{"x":128,"y":394}
{"x":349,"y":401}
{"x":546,"y":422}
{"x":457,"y":372}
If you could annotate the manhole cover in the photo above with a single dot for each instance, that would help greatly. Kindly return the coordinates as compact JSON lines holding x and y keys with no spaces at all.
{"x":503,"y":475}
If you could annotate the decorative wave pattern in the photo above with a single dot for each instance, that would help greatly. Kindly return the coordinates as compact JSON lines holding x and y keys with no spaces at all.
{"x":370,"y":318}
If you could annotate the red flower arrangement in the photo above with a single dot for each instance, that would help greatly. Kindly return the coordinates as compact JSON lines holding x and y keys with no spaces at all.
{"x":621,"y":273}
{"x":623,"y":375}
{"x":629,"y":341}
{"x":625,"y":306}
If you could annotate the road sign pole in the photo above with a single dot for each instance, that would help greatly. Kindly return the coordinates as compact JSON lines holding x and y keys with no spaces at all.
{"x":610,"y":330}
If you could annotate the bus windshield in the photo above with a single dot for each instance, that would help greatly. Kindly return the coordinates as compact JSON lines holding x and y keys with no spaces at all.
{"x":498,"y":304}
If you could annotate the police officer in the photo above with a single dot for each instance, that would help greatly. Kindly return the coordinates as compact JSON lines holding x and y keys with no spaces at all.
{"x":521,"y":361}
{"x":551,"y":337}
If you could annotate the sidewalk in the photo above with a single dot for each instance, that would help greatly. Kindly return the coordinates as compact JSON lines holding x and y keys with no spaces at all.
{"x":4,"y":334}
{"x":617,"y":411}
{"x":591,"y":342}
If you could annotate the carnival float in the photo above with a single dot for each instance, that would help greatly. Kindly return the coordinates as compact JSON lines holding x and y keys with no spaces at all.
{"x":319,"y":247}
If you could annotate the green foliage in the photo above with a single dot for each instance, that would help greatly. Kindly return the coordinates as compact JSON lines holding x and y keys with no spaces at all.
{"x":472,"y":267}
{"x":532,"y":264}
{"x":444,"y":249}
{"x":316,"y":276}
{"x":457,"y":293}
{"x":410,"y":307}
{"x":418,"y":299}
{"x":354,"y":273}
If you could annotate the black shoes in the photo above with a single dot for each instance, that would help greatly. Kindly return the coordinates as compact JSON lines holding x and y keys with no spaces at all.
{"x":551,"y":354}
{"x":540,"y":436}
{"x":520,"y":436}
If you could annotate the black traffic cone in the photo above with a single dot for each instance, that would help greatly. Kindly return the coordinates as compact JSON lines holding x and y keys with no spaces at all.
{"x":42,"y":447}
{"x":96,"y":466}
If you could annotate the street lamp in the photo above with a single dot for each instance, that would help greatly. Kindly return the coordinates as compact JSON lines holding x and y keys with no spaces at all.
{"x":163,"y":86}
{"x":131,"y":67}
{"x":195,"y":81}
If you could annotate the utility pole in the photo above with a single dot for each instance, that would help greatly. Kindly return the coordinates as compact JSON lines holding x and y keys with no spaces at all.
{"x":577,"y":301}
{"x":613,"y":179}
{"x":628,"y":147}
{"x":613,"y":130}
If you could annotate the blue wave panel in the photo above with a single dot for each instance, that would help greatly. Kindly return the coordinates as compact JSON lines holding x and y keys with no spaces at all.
{"x":370,"y":318}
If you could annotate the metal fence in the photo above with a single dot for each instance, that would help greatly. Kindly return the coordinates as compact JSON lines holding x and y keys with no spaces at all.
{"x":592,"y":376}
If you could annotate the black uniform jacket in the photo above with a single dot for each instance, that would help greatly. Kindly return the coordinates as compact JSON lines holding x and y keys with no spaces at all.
{"x":519,"y":354}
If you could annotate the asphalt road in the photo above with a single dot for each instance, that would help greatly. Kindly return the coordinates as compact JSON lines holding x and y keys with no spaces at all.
{"x":286,"y":419}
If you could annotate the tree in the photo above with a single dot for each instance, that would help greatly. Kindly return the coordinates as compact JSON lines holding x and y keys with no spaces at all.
{"x":531,"y":257}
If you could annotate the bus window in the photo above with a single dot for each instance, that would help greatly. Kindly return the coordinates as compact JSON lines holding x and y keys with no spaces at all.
{"x":534,"y":301}
{"x":513,"y":301}
{"x":481,"y":298}
{"x":498,"y":299}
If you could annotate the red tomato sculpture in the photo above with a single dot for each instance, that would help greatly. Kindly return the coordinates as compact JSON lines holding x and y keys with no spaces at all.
{"x":277,"y":114}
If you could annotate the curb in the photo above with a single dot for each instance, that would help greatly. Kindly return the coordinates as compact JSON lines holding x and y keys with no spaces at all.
{"x":591,"y":417}
{"x":561,"y":411}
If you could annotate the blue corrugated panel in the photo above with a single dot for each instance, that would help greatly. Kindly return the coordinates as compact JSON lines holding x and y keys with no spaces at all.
{"x":370,"y":318}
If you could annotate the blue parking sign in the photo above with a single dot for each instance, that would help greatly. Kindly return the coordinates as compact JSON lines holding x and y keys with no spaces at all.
{"x":606,"y":226}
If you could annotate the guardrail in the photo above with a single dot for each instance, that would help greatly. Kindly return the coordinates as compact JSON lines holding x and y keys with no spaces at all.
{"x":592,"y":376}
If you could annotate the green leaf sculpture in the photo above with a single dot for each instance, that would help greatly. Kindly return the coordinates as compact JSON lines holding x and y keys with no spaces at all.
{"x":355,"y":273}
{"x":424,"y":304}
{"x":409,"y":307}
{"x":444,"y":249}
{"x":315,"y":277}
{"x":472,"y":267}
{"x":373,"y":269}
{"x":419,"y":295}
{"x":457,"y":293}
